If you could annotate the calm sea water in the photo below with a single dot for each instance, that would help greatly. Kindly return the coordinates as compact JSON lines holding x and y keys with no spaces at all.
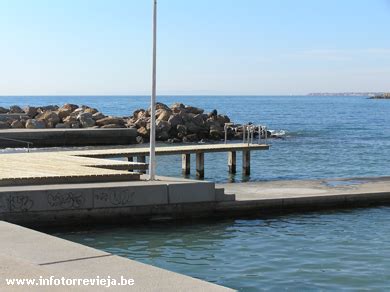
{"x":326,"y":136}
{"x":326,"y":251}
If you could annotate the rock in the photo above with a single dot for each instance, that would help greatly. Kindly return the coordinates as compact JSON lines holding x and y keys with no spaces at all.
{"x":193,"y":128}
{"x":178,"y":105}
{"x":194,"y":110}
{"x":175,"y":120}
{"x":139,"y":140}
{"x":198,"y":120}
{"x":98,"y":116}
{"x":191,"y":138}
{"x":15,"y":109}
{"x":91,"y":110}
{"x":143,"y":132}
{"x":71,"y":107}
{"x":163,"y":136}
{"x":110,"y":121}
{"x":223,"y":119}
{"x":3,"y":110}
{"x":160,"y":105}
{"x":216,"y":132}
{"x":111,"y":126}
{"x":31,"y":111}
{"x":213,"y":113}
{"x":61,"y":126}
{"x":50,"y":118}
{"x":163,"y":114}
{"x":75,"y":125}
{"x":49,"y":108}
{"x":4,"y":125}
{"x":141,"y":122}
{"x":162,"y":126}
{"x":17,"y":124}
{"x":181,"y":129}
{"x":86,"y":120}
{"x":35,"y":124}
{"x":139,"y":113}
{"x":63,"y":113}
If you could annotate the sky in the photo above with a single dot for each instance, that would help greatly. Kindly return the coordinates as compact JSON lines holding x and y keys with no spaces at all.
{"x":210,"y":47}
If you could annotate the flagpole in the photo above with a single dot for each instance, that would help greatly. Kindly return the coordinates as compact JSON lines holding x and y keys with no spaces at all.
{"x":152,"y":154}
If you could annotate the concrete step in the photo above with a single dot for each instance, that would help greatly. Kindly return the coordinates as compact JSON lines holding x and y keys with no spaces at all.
{"x":220,"y":195}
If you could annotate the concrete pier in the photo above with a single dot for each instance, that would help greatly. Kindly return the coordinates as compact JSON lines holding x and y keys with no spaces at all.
{"x":28,"y":254}
{"x":200,"y":165}
{"x":68,"y":137}
{"x":232,"y":157}
{"x":186,"y":164}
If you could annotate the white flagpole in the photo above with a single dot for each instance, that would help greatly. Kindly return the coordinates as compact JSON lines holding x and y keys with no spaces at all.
{"x":152,"y":154}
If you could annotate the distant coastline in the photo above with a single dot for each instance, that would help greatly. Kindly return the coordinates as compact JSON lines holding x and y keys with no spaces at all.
{"x":370,"y":94}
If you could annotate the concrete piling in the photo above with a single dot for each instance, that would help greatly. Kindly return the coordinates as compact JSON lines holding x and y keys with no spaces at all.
{"x":186,"y":164}
{"x":200,"y":165}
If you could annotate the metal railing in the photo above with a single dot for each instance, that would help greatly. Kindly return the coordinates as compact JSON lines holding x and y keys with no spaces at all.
{"x":248,"y":133}
{"x":20,"y":141}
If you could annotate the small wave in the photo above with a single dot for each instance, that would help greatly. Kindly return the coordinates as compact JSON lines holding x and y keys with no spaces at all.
{"x":278,"y":133}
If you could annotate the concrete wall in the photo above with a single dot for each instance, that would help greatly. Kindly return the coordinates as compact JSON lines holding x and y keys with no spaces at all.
{"x":68,"y":137}
{"x":138,"y":200}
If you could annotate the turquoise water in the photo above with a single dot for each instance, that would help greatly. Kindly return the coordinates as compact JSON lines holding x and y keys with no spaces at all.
{"x":326,"y":136}
{"x":323,"y":251}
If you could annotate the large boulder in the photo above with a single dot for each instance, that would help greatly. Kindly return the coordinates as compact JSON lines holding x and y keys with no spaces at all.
{"x":51,"y":107}
{"x":143,"y":132}
{"x":163,"y":114}
{"x":63,"y":113}
{"x":175,"y":119}
{"x":17,"y":124}
{"x":86,"y":120}
{"x":98,"y":116}
{"x":3,"y":110}
{"x":71,"y":107}
{"x":216,"y":132}
{"x":139,"y":113}
{"x":110,"y":121}
{"x":178,"y":106}
{"x":91,"y":110}
{"x":31,"y":111}
{"x":15,"y":109}
{"x":111,"y":126}
{"x":50,"y":118}
{"x":162,"y":126}
{"x":35,"y":124}
{"x":194,"y":110}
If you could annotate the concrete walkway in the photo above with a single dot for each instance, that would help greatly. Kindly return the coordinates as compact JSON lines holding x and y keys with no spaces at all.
{"x":25,"y":253}
{"x":301,"y":194}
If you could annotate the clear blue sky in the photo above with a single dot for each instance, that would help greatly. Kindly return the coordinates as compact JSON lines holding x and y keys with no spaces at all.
{"x":204,"y":46}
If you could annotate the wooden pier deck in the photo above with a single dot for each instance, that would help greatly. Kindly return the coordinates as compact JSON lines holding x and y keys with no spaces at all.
{"x":93,"y":166}
{"x":185,"y":150}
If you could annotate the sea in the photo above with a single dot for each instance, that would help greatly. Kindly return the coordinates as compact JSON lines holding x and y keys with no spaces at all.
{"x":321,"y":137}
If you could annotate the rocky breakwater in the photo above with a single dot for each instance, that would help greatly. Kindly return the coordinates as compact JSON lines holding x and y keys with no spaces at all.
{"x":177,"y":123}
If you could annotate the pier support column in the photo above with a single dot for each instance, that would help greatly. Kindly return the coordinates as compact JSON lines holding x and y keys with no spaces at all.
{"x":232,"y":161}
{"x":186,"y":164}
{"x":130,"y":159}
{"x":200,"y":165}
{"x":143,"y":160}
{"x":246,"y":162}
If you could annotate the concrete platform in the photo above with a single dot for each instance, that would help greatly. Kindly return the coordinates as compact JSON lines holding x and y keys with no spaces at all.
{"x":68,"y":137}
{"x":298,"y":195}
{"x":25,"y":253}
